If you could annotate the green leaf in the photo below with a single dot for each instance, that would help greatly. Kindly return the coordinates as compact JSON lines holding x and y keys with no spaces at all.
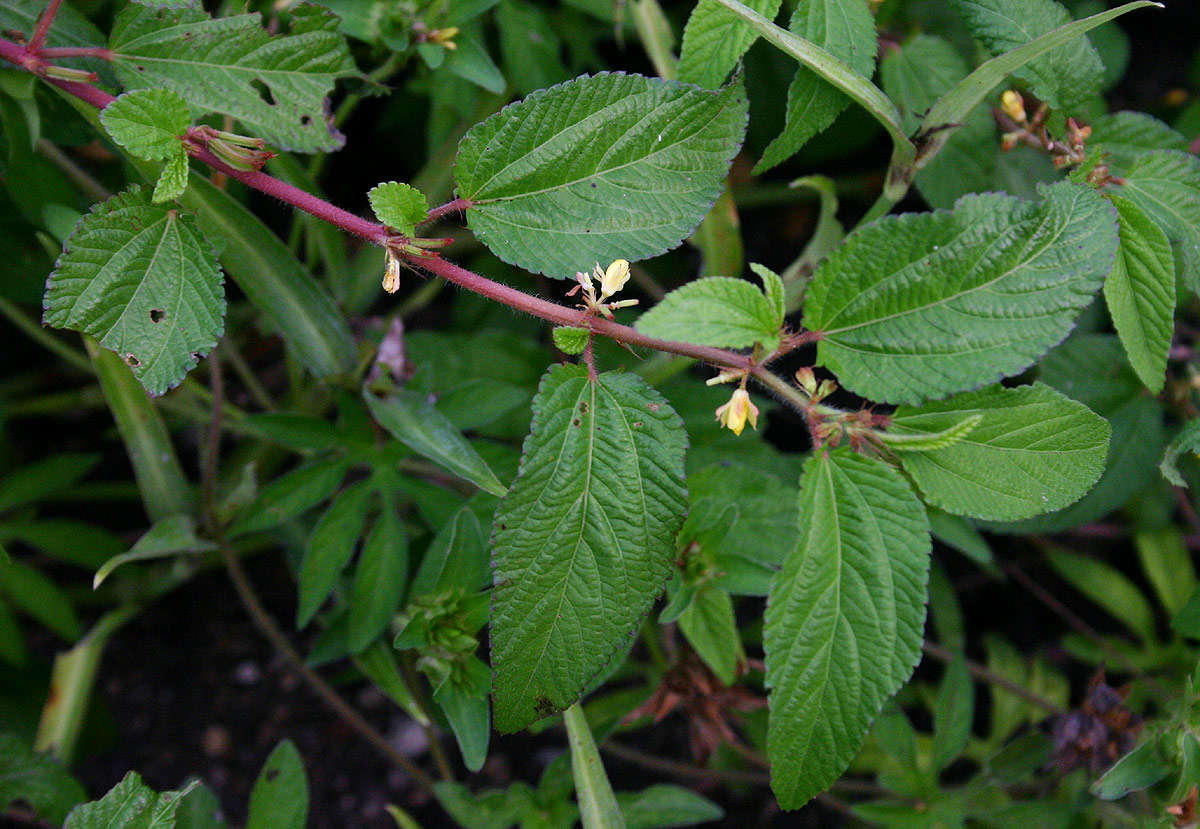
{"x":844,"y":621}
{"x":53,"y":474}
{"x":1187,"y":621}
{"x":904,"y":440}
{"x":916,"y":74}
{"x":173,"y":180}
{"x":1063,"y":77}
{"x":711,"y":629}
{"x":773,"y":288}
{"x":663,"y":804}
{"x":130,"y":804}
{"x":330,"y":547}
{"x":1186,"y":442}
{"x":37,"y":779}
{"x":845,"y":29}
{"x":1140,"y":293}
{"x":471,"y":61}
{"x":598,"y":807}
{"x":598,"y":167}
{"x":953,"y":712}
{"x":148,"y":123}
{"x":378,"y":664}
{"x":583,"y":542}
{"x":1033,"y":450}
{"x":716,"y":310}
{"x":463,"y":698}
{"x":457,"y":557}
{"x":280,"y":796}
{"x":411,"y":419}
{"x":399,"y":206}
{"x":1125,"y":136}
{"x":571,"y":340}
{"x":40,"y":598}
{"x":1168,"y":566}
{"x":530,"y":47}
{"x":1137,"y":770}
{"x":1108,"y":588}
{"x":168,"y":537}
{"x":379,"y":578}
{"x":1165,"y":184}
{"x":714,"y":40}
{"x":490,"y":809}
{"x":964,"y":297}
{"x":290,"y":495}
{"x":143,"y":280}
{"x":275,"y":86}
{"x":959,"y":533}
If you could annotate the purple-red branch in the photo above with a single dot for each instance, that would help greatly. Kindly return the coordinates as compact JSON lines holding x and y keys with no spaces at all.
{"x":377,"y":234}
{"x":43,"y":26}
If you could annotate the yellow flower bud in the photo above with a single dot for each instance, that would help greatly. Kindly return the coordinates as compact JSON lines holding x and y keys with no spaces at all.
{"x":614,"y":278}
{"x":1013,"y":105}
{"x":734,"y":414}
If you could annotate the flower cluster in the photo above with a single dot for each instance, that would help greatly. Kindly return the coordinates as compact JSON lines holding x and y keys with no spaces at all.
{"x":611,"y":280}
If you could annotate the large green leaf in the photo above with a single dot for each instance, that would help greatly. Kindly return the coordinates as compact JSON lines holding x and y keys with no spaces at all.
{"x":844,"y":620}
{"x":845,"y":29}
{"x":143,"y":280}
{"x":714,"y":39}
{"x":1032,"y":450}
{"x":598,"y":168}
{"x":275,"y":86}
{"x":1063,"y":77}
{"x":583,"y":542}
{"x":921,"y":306}
{"x":716,"y":310}
{"x":130,"y":804}
{"x":1165,"y":184}
{"x":1125,"y":136}
{"x":1140,"y":293}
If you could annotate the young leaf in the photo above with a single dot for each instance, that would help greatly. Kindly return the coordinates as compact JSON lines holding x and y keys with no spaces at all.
{"x":598,"y":167}
{"x":716,"y":310}
{"x":1032,"y":451}
{"x":964,"y":297}
{"x":714,"y":40}
{"x":1140,"y":293}
{"x":571,"y":340}
{"x":773,"y":288}
{"x":379,"y":578}
{"x":413,"y":420}
{"x":463,"y":698}
{"x":275,"y":86}
{"x":1165,"y":184}
{"x":844,"y":620}
{"x":1063,"y":77}
{"x":130,"y":804}
{"x":142,"y":279}
{"x":280,"y":796}
{"x":173,"y":180}
{"x":36,"y":779}
{"x":663,"y":804}
{"x":583,"y":542}
{"x":1187,"y":441}
{"x":330,"y":547}
{"x":398,"y":205}
{"x":711,"y":629}
{"x":148,"y":122}
{"x":845,"y":29}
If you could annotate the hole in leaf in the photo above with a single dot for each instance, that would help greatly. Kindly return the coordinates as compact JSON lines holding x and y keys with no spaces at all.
{"x":157,"y":314}
{"x":141,"y":68}
{"x":305,"y":120}
{"x":263,"y":91}
{"x":132,"y":361}
{"x":271,"y":774}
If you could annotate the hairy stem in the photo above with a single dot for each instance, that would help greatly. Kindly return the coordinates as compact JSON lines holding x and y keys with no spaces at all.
{"x":43,"y":26}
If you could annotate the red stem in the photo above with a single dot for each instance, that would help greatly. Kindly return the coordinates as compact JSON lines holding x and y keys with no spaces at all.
{"x":378,"y":234}
{"x":448,"y":207}
{"x":76,"y":52}
{"x":43,"y":26}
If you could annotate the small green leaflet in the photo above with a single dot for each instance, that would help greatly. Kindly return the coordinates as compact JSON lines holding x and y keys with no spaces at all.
{"x":1165,"y":184}
{"x":412,"y":419}
{"x":1187,"y":442}
{"x":583,"y":542}
{"x":714,"y":39}
{"x":845,"y":29}
{"x":150,"y":124}
{"x":398,"y":205}
{"x":718,"y":311}
{"x":570,"y":339}
{"x":1063,"y":77}
{"x":1032,"y":450}
{"x":219,"y":66}
{"x":845,"y":617}
{"x":925,"y":305}
{"x":130,"y":804}
{"x":597,"y":168}
{"x":142,"y":279}
{"x":280,"y":796}
{"x":1140,"y":293}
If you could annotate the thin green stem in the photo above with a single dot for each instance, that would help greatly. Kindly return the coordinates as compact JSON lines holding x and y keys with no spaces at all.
{"x":654,"y":30}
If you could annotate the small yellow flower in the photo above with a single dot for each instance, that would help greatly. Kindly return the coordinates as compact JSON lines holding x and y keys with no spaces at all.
{"x":734,"y":414}
{"x":391,"y":273}
{"x":1013,"y":105}
{"x":613,"y":279}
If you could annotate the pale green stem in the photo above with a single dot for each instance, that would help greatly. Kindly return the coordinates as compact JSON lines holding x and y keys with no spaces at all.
{"x":598,"y":807}
{"x":654,"y":30}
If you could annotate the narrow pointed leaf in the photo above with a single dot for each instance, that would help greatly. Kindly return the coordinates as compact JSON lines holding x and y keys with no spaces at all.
{"x":1033,"y":450}
{"x":329,"y":549}
{"x":925,"y":305}
{"x":276,"y":87}
{"x":171,"y":536}
{"x":583,"y":542}
{"x":905,"y":440}
{"x":714,"y":40}
{"x":1140,"y":293}
{"x":598,"y":167}
{"x":379,"y":578}
{"x":143,"y":280}
{"x":844,"y":620}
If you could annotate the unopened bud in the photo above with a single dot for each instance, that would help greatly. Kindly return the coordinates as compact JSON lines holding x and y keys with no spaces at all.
{"x":614,"y":278}
{"x":807,"y":380}
{"x":1013,"y":105}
